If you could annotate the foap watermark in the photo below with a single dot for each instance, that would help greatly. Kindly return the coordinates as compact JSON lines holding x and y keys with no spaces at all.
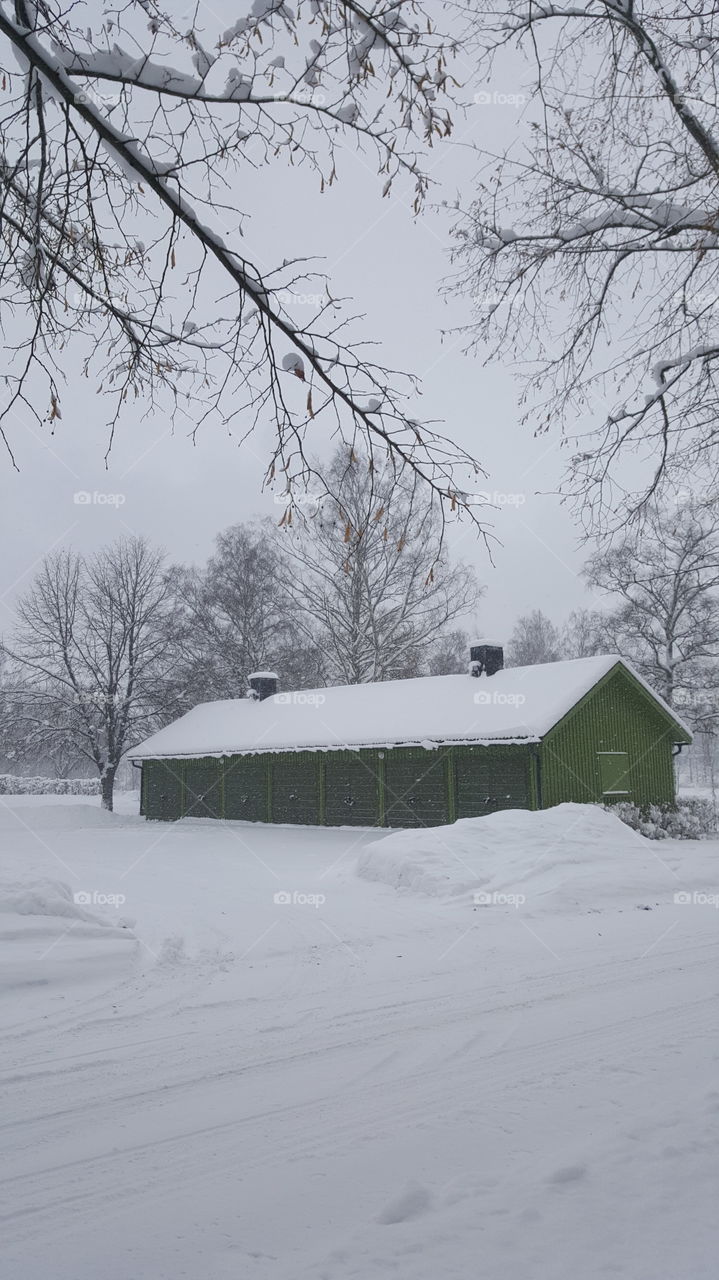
{"x":496,"y":498}
{"x":306,"y":95}
{"x":493,"y":698}
{"x":290,"y":299}
{"x":696,"y":899}
{"x":83,"y":498}
{"x":298,"y":899}
{"x":93,"y":898}
{"x":699,"y":301}
{"x":489,"y":301}
{"x":94,"y":98}
{"x":308,"y":501}
{"x":484,"y":899}
{"x":685,"y":496}
{"x":300,"y":698}
{"x":496,"y":98}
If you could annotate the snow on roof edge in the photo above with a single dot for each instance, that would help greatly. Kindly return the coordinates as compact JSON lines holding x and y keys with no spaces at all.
{"x":427,"y":743}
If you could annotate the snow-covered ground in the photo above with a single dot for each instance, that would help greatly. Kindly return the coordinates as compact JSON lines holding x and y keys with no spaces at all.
{"x":203,"y":1079}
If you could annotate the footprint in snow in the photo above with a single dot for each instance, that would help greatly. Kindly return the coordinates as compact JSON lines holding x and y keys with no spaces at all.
{"x":412,"y":1203}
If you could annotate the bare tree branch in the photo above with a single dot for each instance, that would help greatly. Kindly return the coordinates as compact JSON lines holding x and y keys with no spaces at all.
{"x":117,"y":165}
{"x":591,"y":251}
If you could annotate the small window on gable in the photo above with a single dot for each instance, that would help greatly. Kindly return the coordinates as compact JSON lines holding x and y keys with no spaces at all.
{"x":614,"y":773}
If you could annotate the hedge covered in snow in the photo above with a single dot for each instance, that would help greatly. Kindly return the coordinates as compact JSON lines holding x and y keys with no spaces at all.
{"x":689,"y":819}
{"x":10,"y":785}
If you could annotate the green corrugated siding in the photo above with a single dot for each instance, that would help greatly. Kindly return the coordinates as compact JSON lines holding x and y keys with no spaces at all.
{"x":491,"y":778}
{"x":616,"y":717}
{"x":351,"y":786}
{"x":162,"y":789}
{"x":416,"y":787}
{"x":295,"y":787}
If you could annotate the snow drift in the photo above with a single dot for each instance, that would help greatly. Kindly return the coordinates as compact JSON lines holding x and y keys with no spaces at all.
{"x":46,"y":898}
{"x":571,"y":856}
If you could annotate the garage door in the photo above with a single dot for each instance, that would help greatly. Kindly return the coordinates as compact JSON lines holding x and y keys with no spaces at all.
{"x":295,"y":788}
{"x":203,"y":793}
{"x":488,"y":781}
{"x":416,"y":788}
{"x":351,"y":789}
{"x":162,"y":783}
{"x":246,"y":788}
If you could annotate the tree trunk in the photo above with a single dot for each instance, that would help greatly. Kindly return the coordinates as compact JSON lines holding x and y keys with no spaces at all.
{"x":107,"y":786}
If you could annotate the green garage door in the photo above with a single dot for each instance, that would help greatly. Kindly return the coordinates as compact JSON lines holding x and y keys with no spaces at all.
{"x":351,"y":789}
{"x":162,"y":789}
{"x":203,"y":788}
{"x":295,"y":787}
{"x":415,"y":788}
{"x":246,"y":788}
{"x":487,"y":781}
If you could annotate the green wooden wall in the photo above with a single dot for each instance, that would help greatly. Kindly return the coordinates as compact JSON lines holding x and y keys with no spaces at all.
{"x":580,"y":757}
{"x":402,"y":787}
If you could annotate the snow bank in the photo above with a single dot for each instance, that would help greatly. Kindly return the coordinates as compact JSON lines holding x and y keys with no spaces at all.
{"x":47,"y":898}
{"x":570,"y":856}
{"x":67,"y":813}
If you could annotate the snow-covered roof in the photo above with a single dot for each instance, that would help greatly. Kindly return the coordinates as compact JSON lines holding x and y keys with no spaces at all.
{"x":517,"y":704}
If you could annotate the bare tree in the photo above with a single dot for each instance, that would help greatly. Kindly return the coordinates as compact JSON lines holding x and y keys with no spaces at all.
{"x":665,"y":580}
{"x":534,"y":639}
{"x":449,"y":655}
{"x":91,"y":645}
{"x":128,"y":138}
{"x":593,"y":245}
{"x":234,"y":618}
{"x":12,"y":744}
{"x":371,"y":589}
{"x":584,"y":634}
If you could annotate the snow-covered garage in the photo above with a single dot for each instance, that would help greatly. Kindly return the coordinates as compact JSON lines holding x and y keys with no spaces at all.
{"x":418,"y":752}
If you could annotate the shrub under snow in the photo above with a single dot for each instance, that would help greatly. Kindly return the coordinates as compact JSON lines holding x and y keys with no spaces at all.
{"x":11,"y":785}
{"x":689,"y":819}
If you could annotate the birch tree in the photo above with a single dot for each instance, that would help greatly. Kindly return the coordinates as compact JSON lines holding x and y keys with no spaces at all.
{"x":534,"y":639}
{"x":663,"y":584}
{"x":129,"y":139}
{"x":91,"y":647}
{"x":592,"y":246}
{"x":233,"y":618}
{"x":584,"y":634}
{"x":372,"y":590}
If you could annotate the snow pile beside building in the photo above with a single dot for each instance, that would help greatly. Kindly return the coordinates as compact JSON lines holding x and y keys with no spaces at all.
{"x":573,"y":856}
{"x":68,"y":814}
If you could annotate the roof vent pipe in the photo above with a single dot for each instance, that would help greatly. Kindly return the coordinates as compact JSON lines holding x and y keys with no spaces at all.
{"x":486,"y":658}
{"x":263,"y":684}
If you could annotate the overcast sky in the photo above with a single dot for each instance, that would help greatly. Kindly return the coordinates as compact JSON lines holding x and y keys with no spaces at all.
{"x":181,"y":494}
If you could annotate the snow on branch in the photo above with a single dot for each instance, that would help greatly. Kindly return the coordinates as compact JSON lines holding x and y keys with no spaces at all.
{"x":591,"y":253}
{"x":120,"y":215}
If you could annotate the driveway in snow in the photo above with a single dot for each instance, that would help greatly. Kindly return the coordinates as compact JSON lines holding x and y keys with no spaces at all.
{"x":202,"y":1078}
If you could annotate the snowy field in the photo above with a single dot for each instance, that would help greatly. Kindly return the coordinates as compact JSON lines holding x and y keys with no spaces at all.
{"x":488,"y":1051}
